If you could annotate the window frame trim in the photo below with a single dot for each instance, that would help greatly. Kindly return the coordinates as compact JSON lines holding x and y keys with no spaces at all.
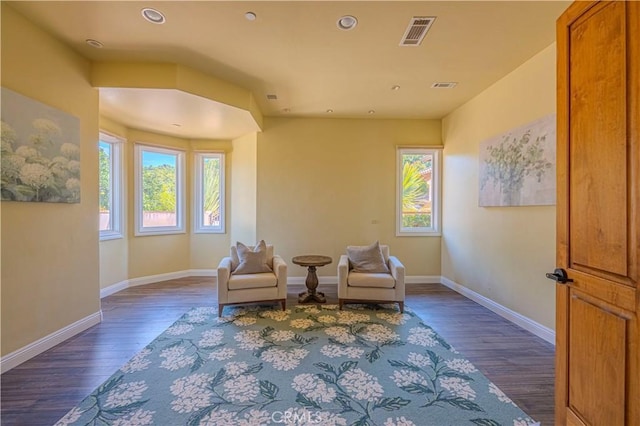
{"x":180,"y":228}
{"x":199,"y":158}
{"x":116,"y":176}
{"x":436,"y":224}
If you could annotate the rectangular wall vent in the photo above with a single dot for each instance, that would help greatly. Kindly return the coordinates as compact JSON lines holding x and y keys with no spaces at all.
{"x":417,"y":29}
{"x":272,"y":97}
{"x":444,"y":85}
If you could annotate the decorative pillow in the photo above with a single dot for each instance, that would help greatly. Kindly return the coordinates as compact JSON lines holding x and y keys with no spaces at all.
{"x":252,"y":261}
{"x":367,"y":258}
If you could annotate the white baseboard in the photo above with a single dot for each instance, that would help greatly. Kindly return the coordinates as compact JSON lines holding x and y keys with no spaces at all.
{"x":203,"y":272}
{"x":114,"y":288}
{"x":133,"y":282}
{"x":528,"y":324}
{"x":422,"y":279}
{"x":21,"y":355}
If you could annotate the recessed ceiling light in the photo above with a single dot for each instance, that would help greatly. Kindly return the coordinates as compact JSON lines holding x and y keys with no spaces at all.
{"x":250,"y":16}
{"x":329,"y":111}
{"x":396,"y":87}
{"x":371,"y":111}
{"x":347,"y":22}
{"x":94,"y":43}
{"x":154,"y":16}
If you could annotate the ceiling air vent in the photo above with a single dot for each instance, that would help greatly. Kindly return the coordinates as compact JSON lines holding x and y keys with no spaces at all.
{"x":417,"y":29}
{"x":444,"y":85}
{"x":272,"y":97}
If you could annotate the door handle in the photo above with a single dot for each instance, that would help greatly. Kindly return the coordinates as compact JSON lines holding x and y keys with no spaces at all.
{"x":560,"y":276}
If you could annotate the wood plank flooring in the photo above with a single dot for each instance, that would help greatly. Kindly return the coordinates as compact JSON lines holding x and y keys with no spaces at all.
{"x":43,"y":389}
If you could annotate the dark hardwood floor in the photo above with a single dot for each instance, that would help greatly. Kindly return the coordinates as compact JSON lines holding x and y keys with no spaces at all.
{"x":43,"y":389}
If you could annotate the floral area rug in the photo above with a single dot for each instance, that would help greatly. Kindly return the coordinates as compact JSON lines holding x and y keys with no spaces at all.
{"x":309,"y":365}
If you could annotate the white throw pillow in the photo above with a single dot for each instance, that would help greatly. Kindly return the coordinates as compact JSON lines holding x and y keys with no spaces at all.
{"x":367,"y":258}
{"x":252,"y":261}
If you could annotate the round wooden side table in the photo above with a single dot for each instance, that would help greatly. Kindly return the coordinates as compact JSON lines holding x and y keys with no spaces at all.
{"x":311,"y":262}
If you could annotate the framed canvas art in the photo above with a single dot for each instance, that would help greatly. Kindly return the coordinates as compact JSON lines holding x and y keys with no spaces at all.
{"x":40,"y":151}
{"x":518,"y":168}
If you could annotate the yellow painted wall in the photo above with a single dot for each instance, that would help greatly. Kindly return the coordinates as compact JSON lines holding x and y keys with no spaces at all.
{"x":157,"y":254}
{"x":324,"y":184}
{"x":500,"y":252}
{"x":50,"y":262}
{"x":242,"y":212}
{"x":141,"y":256}
{"x":114,"y":254}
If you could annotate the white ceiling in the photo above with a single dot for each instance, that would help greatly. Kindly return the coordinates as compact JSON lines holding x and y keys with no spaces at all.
{"x":295,"y":51}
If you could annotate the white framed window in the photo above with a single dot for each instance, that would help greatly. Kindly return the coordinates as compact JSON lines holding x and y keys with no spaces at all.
{"x":159,"y":190}
{"x":110,"y":186}
{"x":418,"y":191}
{"x":209,"y":193}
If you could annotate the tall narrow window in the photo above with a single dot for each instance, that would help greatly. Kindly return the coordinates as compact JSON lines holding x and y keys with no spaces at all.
{"x":159,"y":190}
{"x":209,"y":193}
{"x":110,"y":186}
{"x":418,"y":199}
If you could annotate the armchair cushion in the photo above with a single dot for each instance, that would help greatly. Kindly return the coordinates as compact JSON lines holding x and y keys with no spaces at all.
{"x":242,"y":282}
{"x":252,"y":260}
{"x":359,"y":279}
{"x":367,"y":259}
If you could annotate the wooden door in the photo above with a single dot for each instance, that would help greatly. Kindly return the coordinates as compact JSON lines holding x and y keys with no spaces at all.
{"x":598,"y":216}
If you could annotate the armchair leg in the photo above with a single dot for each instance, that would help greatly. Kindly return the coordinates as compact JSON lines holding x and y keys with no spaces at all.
{"x":340,"y":304}
{"x":283,"y":302}
{"x":220,"y":308}
{"x":401,"y":305}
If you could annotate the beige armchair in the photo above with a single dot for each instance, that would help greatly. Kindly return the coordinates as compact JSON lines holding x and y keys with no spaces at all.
{"x":376,"y":287}
{"x":265,"y":285}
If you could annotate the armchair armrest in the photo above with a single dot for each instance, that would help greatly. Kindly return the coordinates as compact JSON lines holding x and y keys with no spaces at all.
{"x":397,"y":271}
{"x":279,"y":267}
{"x":343,"y":273}
{"x":223,"y":274}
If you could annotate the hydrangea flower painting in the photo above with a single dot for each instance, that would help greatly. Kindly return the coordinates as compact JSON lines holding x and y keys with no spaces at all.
{"x":518,"y":168}
{"x":40,"y":152}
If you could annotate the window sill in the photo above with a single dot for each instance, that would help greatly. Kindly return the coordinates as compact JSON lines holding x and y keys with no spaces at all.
{"x":150,"y":233}
{"x":419,"y":234}
{"x":106,"y":236}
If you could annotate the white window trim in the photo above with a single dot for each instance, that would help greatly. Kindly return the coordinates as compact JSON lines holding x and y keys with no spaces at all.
{"x":180,"y":192}
{"x":434,"y":230}
{"x":116,"y":174}
{"x":198,"y":227}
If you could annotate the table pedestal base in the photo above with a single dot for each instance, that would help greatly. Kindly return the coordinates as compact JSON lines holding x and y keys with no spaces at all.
{"x":306,"y":297}
{"x":311,"y":262}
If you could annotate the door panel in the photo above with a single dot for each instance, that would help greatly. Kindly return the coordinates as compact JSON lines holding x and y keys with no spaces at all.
{"x":598,"y":175}
{"x":598,"y":217}
{"x":596,"y":363}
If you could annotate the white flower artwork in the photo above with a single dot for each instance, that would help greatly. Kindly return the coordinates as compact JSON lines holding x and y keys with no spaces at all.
{"x":40,"y":152}
{"x":518,"y":168}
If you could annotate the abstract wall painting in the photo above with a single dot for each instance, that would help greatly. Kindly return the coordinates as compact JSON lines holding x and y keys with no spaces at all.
{"x":518,"y":168}
{"x":40,"y":151}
